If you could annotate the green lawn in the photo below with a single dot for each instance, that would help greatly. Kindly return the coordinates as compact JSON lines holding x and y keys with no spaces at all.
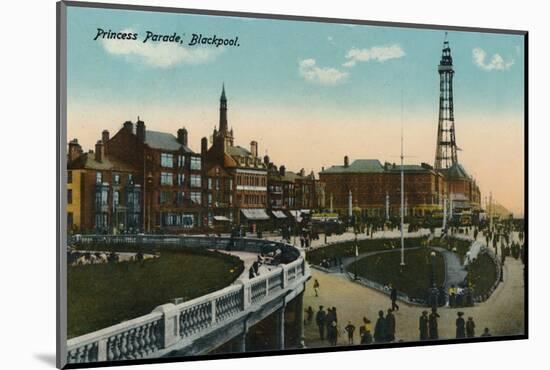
{"x":105,"y":294}
{"x":347,"y":249}
{"x":415,"y":280}
{"x":482,"y":273}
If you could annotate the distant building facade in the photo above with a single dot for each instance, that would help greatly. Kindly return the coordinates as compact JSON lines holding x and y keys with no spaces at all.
{"x":373,"y":187}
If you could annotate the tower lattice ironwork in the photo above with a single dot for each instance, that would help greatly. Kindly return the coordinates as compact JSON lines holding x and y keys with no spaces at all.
{"x":445,"y":155}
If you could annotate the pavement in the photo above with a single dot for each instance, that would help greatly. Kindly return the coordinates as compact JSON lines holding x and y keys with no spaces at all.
{"x":502,"y":313}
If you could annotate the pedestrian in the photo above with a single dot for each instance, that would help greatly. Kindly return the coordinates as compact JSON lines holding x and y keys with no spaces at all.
{"x":460,"y":326}
{"x":432,"y":324}
{"x":328,"y":321}
{"x":333,"y":333}
{"x":423,"y":325}
{"x":452,"y":296}
{"x":393,"y":296}
{"x":380,"y":328}
{"x":350,"y":328}
{"x":486,"y":333}
{"x":309,"y":315}
{"x":470,"y":328}
{"x":316,"y":287}
{"x":390,"y":326}
{"x":320,"y":319}
{"x":366,"y":331}
{"x":334,"y":313}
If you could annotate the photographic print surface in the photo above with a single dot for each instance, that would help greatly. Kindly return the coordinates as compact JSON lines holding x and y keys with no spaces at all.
{"x":241,"y":185}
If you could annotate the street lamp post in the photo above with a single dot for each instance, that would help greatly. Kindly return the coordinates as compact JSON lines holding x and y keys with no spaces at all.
{"x":356,"y":255}
{"x":149,"y":187}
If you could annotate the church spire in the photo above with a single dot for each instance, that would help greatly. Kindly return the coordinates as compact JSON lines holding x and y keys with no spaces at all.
{"x":223,"y":111}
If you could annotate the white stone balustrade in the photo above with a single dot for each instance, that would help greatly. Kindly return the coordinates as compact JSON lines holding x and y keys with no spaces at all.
{"x":153,"y":334}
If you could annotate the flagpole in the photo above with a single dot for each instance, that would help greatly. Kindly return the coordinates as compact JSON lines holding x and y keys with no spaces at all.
{"x":402,"y":191}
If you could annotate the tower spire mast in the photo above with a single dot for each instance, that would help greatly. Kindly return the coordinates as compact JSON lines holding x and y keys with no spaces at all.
{"x":445,"y":155}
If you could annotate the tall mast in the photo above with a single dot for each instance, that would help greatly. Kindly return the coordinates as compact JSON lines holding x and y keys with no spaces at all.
{"x":445,"y":155}
{"x":402,"y":190}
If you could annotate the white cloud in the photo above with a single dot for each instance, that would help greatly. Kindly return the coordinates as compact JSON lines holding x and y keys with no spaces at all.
{"x":376,"y":53}
{"x":321,"y":75}
{"x":161,"y":55}
{"x":496,"y":63}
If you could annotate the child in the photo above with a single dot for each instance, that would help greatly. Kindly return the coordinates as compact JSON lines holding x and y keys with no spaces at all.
{"x":350,"y":328}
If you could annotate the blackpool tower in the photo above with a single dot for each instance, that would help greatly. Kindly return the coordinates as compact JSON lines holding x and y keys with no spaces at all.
{"x":445,"y":155}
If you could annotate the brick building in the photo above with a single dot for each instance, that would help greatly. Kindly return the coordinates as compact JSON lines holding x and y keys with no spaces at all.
{"x":170,"y":174}
{"x":242,"y":176}
{"x":371,"y":186}
{"x":102,"y":193}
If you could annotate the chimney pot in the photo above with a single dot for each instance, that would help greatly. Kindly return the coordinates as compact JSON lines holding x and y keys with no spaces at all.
{"x":346,"y":161}
{"x":99,"y":151}
{"x":254,"y":148}
{"x":182,"y":136}
{"x":140,"y":130}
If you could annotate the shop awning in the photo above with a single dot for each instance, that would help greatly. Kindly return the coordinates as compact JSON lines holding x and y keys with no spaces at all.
{"x":255,"y":214}
{"x":221,"y":218}
{"x":279,"y":214}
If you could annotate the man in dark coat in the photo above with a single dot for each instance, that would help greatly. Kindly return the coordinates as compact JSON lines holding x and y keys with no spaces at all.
{"x":330,"y":318}
{"x":380,"y":328}
{"x":470,"y":328}
{"x":432,"y":324}
{"x":460,"y":326}
{"x":390,"y":326}
{"x":393,"y":296}
{"x":423,"y":325}
{"x":320,"y":319}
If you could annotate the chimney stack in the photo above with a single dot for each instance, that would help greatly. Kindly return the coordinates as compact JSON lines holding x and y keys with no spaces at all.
{"x":140,"y":130}
{"x":254,"y":148}
{"x":75,"y":150}
{"x":182,"y":136}
{"x":128,"y":125}
{"x":204,"y":146}
{"x":282,"y":170}
{"x":99,"y":152}
{"x":346,"y":161}
{"x":105,"y":136}
{"x":266,"y":160}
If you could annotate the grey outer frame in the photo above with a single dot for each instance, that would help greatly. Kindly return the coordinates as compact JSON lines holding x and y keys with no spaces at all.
{"x":61,"y":164}
{"x":61,"y":188}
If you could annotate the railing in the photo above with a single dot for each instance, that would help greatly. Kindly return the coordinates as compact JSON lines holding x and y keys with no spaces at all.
{"x":142,"y":337}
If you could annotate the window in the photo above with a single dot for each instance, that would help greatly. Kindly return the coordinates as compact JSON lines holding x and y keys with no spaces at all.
{"x":167,"y":160}
{"x":116,"y":199}
{"x":180,"y":197}
{"x":130,"y":179}
{"x":209,"y":199}
{"x":195,"y":197}
{"x":217,"y":184}
{"x":104,"y":196}
{"x":181,"y":161}
{"x":195,"y":163}
{"x":181,"y":179}
{"x":116,"y":179}
{"x":69,"y":177}
{"x":69,"y":196}
{"x":209,"y":183}
{"x":166,"y":178}
{"x":195,"y":181}
{"x":165,"y":197}
{"x":230,"y":184}
{"x":98,"y":178}
{"x":230,"y":199}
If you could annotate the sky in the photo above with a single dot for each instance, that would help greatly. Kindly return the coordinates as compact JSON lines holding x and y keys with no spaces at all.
{"x":308,"y":92}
